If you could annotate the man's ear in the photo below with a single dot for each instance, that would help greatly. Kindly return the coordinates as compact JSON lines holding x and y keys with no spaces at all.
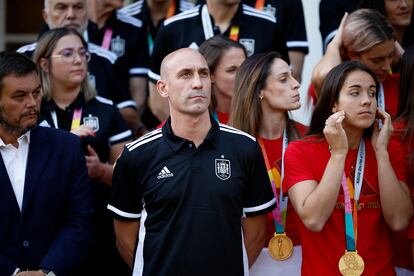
{"x":44,"y":65}
{"x":162,"y":88}
{"x":44,"y":15}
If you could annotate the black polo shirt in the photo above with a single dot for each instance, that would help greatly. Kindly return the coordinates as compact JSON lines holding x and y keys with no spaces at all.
{"x":191,"y":200}
{"x":141,"y":11}
{"x":100,"y":114}
{"x":330,"y":16}
{"x":258,"y":32}
{"x":289,"y":14}
{"x":128,"y":42}
{"x":100,"y":74}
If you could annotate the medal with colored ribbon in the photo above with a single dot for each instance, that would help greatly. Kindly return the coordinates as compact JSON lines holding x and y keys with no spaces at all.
{"x":351,"y":263}
{"x":76,"y":118}
{"x":280,"y":246}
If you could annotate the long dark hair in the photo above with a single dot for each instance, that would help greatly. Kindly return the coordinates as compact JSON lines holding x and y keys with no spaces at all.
{"x":246,"y":110}
{"x":212,"y":50}
{"x":329,"y":95}
{"x":406,"y":97}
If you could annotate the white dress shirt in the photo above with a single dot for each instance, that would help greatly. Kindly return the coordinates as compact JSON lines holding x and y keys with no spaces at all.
{"x":15,"y":160}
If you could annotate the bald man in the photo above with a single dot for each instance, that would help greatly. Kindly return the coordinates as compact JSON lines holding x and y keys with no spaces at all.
{"x":193,"y":196}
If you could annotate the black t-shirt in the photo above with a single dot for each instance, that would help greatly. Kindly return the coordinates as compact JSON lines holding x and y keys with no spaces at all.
{"x":289,"y":15}
{"x":128,"y":42}
{"x":141,"y":11}
{"x":98,"y":113}
{"x":258,"y":32}
{"x":190,"y":201}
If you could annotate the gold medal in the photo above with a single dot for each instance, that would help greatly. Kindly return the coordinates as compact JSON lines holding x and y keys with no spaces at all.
{"x":280,"y":247}
{"x":351,"y":264}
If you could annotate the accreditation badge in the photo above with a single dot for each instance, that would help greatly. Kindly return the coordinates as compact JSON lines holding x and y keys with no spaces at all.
{"x":92,"y":122}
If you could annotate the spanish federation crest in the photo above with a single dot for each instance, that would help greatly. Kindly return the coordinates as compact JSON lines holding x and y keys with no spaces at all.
{"x":223,"y":168}
{"x":92,"y":122}
{"x":248,"y":44}
{"x":269,"y":9}
{"x":118,"y":46}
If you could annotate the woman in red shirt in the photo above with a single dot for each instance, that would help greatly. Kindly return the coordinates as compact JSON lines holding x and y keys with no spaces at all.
{"x":265,"y":91}
{"x":404,"y":130}
{"x":347,"y":179}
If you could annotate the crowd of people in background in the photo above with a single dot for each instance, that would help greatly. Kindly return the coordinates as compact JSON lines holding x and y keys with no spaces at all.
{"x":155,"y":138}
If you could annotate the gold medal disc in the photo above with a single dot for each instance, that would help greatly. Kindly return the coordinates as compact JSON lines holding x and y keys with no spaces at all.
{"x":351,"y":264}
{"x":280,"y":247}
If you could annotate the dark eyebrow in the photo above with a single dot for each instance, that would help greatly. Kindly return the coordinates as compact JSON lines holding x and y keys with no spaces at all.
{"x":26,"y":91}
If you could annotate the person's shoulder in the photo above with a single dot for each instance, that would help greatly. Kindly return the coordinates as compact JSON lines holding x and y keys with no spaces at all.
{"x":101,"y":52}
{"x":307,"y":143}
{"x":148,"y":140}
{"x":129,"y":20}
{"x":301,"y":128}
{"x":101,"y":101}
{"x":57,"y":137}
{"x":235,"y":134}
{"x":133,"y":9}
{"x":27,"y":49}
{"x":257,"y":15}
{"x":183,"y":17}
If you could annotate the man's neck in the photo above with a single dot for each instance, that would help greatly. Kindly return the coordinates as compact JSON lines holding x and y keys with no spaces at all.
{"x":158,"y":10}
{"x":9,"y":138}
{"x":222,"y":14}
{"x":190,"y":127}
{"x":97,"y":14}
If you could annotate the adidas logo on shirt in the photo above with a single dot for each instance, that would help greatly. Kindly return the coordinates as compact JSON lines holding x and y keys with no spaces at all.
{"x":164,"y":173}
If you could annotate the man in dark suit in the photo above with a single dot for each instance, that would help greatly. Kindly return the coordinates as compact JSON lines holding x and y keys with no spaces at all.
{"x":45,"y":197}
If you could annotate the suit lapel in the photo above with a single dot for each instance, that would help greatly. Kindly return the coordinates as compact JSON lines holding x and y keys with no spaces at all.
{"x":6,"y":187}
{"x":39,"y":150}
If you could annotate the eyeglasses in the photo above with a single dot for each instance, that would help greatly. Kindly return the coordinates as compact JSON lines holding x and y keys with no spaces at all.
{"x":69,"y":55}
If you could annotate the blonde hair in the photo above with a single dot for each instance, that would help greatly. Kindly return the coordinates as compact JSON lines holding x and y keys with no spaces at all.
{"x":44,"y":49}
{"x":364,"y":29}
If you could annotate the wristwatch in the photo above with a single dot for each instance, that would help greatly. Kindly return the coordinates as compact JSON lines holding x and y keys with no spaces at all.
{"x":48,"y":272}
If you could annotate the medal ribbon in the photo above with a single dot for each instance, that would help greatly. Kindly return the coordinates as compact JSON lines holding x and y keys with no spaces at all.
{"x":351,"y":212}
{"x":171,"y":9}
{"x":234,"y":33}
{"x":280,"y":213}
{"x":259,"y":4}
{"x":107,"y":38}
{"x":76,"y":118}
